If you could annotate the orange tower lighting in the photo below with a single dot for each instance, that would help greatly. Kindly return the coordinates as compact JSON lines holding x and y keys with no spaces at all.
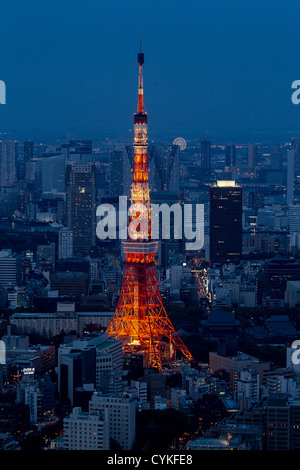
{"x":140,"y":319}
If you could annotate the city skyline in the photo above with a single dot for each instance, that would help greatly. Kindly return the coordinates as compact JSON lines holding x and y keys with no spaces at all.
{"x":149,"y":282}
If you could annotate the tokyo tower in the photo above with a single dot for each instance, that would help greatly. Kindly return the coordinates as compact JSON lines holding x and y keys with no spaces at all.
{"x":140,"y":318}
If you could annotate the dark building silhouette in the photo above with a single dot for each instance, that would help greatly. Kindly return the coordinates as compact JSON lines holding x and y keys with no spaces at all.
{"x":81,"y":206}
{"x":256,"y":200}
{"x":252,"y":155}
{"x":70,"y":283}
{"x":295,"y":145}
{"x":230,"y":157}
{"x":81,"y":147}
{"x":14,"y":419}
{"x":272,"y":278}
{"x":116,"y":183}
{"x":76,"y":368}
{"x":225,"y":223}
{"x":220,"y":324}
{"x":276,"y":157}
{"x":28,"y":151}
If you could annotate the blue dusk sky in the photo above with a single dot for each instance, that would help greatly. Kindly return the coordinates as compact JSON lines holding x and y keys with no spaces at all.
{"x":218,"y":68}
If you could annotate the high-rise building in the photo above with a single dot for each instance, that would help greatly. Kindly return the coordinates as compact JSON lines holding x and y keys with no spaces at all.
{"x":290,"y":176}
{"x":53,"y":170}
{"x":282,"y":423}
{"x":46,"y":256}
{"x":28,"y":151}
{"x":86,"y":431}
{"x":10,"y":268}
{"x":81,"y":206}
{"x":8,"y":161}
{"x":272,"y":278}
{"x":294,"y":218}
{"x":78,"y":151}
{"x":247,"y":384}
{"x":205,"y":154}
{"x":295,"y":145}
{"x":252,"y":155}
{"x":121,"y":416}
{"x":65,"y":243}
{"x":116,"y":182}
{"x":76,"y":367}
{"x":225,"y":222}
{"x":276,"y":158}
{"x":230,"y":156}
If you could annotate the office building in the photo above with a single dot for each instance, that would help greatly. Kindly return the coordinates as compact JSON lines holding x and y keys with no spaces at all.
{"x":256,"y":200}
{"x":117,"y":169}
{"x":65,"y":243}
{"x":10,"y":269}
{"x":276,"y":158}
{"x":252,"y":155}
{"x":67,"y":283}
{"x":81,"y":206}
{"x":121,"y":417}
{"x":225,"y":222}
{"x":65,"y":319}
{"x":290,"y":175}
{"x":86,"y":430}
{"x":233,"y":365}
{"x":271,"y":280}
{"x":76,"y":368}
{"x":28,"y":148}
{"x":79,"y":151}
{"x":247,"y":385}
{"x":14,"y":418}
{"x":294,"y":218}
{"x":230,"y":155}
{"x":8,"y":162}
{"x":46,"y":257}
{"x":53,"y":169}
{"x":86,"y":361}
{"x":282,"y":423}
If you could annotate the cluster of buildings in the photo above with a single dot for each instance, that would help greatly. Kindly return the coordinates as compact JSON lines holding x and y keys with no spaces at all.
{"x":60,"y":284}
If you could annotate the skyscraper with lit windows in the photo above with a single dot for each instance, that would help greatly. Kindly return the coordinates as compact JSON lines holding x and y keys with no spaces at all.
{"x":81,"y":206}
{"x":225,"y":223}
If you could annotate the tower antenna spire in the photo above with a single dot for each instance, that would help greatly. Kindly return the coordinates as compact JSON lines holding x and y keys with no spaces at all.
{"x":140,"y":107}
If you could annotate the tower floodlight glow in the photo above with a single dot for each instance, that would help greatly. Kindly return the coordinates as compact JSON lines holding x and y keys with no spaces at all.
{"x":140,"y":319}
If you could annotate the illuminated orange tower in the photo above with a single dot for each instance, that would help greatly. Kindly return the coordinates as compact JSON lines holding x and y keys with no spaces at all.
{"x":140,"y":318}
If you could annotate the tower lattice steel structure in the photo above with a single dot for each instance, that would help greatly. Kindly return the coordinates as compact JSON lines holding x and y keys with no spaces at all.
{"x":140,"y":318}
